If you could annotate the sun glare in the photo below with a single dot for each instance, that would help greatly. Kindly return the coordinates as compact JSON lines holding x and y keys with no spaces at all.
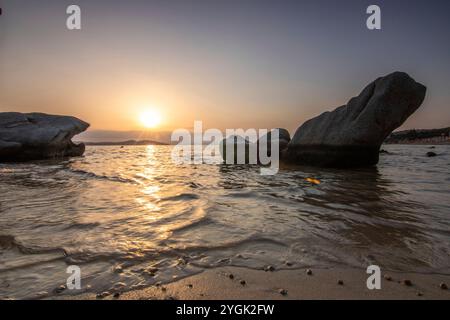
{"x":150,"y":118}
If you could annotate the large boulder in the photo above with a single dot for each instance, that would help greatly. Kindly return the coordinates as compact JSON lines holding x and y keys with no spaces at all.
{"x":33,"y":136}
{"x":351,"y":135}
{"x":240,"y":148}
{"x":283,"y":140}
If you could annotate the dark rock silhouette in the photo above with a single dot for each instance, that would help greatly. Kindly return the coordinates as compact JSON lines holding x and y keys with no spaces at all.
{"x":34,"y":136}
{"x":283,"y":140}
{"x":241,"y":149}
{"x":351,"y":135}
{"x":240,"y":144}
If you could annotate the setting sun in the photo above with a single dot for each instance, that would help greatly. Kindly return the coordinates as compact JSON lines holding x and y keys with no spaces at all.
{"x":150,"y":118}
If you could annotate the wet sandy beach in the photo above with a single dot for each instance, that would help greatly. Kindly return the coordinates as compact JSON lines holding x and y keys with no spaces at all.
{"x":232,"y":283}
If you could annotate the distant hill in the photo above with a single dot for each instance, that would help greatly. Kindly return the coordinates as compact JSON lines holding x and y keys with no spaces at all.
{"x":420,"y":136}
{"x":127,"y":143}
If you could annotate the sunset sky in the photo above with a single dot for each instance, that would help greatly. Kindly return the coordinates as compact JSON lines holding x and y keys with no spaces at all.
{"x":252,"y":63}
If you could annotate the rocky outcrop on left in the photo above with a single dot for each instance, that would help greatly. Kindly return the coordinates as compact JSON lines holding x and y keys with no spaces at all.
{"x":34,"y":136}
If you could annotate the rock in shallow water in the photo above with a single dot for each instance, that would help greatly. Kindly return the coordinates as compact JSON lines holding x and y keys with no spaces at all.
{"x":34,"y":136}
{"x":283,"y":141}
{"x":250,"y":152}
{"x":351,"y":135}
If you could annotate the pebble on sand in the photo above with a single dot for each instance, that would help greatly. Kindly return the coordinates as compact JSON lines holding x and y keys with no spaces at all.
{"x":388,"y":277}
{"x":242,"y":282}
{"x":309,"y":272}
{"x":103,"y":295}
{"x":443,"y":286}
{"x":116,"y":295}
{"x":407,"y":282}
{"x":419,"y":294}
{"x":151,"y":271}
{"x":60,"y":289}
{"x":340,"y":282}
{"x":190,"y":286}
{"x":283,"y":292}
{"x":231,"y":276}
{"x":269,"y":268}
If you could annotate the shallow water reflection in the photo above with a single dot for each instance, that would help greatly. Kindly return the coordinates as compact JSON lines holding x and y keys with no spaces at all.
{"x":123,"y":213}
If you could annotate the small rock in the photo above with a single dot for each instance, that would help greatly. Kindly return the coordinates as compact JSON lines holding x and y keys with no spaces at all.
{"x":431,"y":154}
{"x":309,"y":272}
{"x":116,"y":295}
{"x":283,"y":292}
{"x":118,"y":269}
{"x":60,"y":289}
{"x":103,"y":295}
{"x":340,"y":282}
{"x":443,"y":286}
{"x":148,"y":273}
{"x":164,"y":289}
{"x":190,"y":286}
{"x":242,"y":282}
{"x":419,"y":294}
{"x":407,"y":282}
{"x":152,"y":270}
{"x":231,"y":276}
{"x":269,"y":268}
{"x":388,"y":277}
{"x":289,"y":264}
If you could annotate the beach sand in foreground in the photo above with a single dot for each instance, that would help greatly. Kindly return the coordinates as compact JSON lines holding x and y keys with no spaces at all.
{"x":227,"y":284}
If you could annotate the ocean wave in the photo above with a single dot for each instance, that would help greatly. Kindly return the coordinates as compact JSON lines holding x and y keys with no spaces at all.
{"x":93,"y":175}
{"x":8,"y":242}
{"x":182,"y":197}
{"x":82,"y":226}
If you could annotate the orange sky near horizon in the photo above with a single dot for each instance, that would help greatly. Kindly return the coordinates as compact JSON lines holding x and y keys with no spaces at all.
{"x":230,"y":65}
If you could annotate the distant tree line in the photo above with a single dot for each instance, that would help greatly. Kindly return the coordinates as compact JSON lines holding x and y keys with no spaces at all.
{"x":417,"y":134}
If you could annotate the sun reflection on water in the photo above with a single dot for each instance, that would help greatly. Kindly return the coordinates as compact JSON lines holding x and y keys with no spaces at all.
{"x":150,"y":188}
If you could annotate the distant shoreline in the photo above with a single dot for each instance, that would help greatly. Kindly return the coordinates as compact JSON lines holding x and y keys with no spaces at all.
{"x":420,"y":137}
{"x":127,"y":143}
{"x":419,"y":143}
